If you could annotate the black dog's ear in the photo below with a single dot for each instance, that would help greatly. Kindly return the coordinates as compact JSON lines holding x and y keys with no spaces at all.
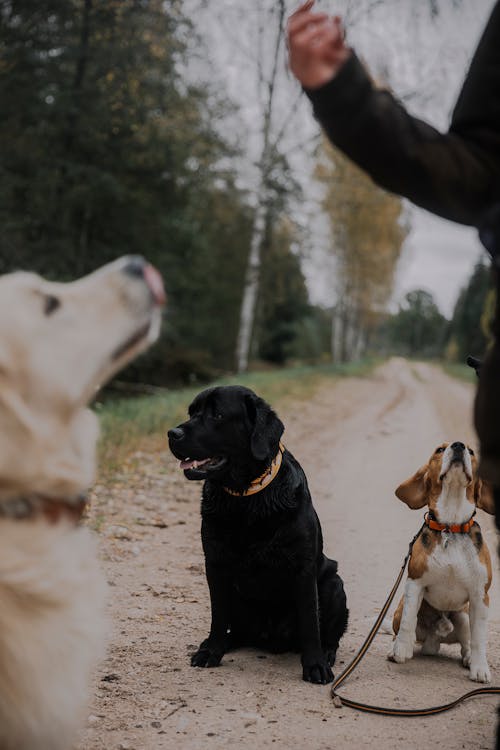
{"x":267,"y":428}
{"x":475,"y":364}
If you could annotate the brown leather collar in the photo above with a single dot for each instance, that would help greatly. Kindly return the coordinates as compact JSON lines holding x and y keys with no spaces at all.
{"x":266,"y":478}
{"x":36,"y":506}
{"x":453,"y":528}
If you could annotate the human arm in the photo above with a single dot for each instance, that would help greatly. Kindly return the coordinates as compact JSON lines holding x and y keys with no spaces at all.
{"x":454,"y":174}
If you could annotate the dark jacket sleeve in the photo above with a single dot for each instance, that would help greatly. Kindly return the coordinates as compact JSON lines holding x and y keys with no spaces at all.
{"x":456,"y":174}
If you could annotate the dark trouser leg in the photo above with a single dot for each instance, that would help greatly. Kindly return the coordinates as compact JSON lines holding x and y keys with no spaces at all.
{"x":496,"y":495}
{"x":487,"y":403}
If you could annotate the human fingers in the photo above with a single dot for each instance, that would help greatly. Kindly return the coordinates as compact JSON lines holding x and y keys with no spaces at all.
{"x":340,"y":29}
{"x":324,"y":34}
{"x":296,"y":24}
{"x":303,"y":8}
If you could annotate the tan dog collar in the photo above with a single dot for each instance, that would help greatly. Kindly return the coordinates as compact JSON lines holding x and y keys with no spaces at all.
{"x":266,"y":478}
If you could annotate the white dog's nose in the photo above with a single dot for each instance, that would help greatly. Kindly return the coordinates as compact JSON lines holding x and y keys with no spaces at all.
{"x":135,"y":265}
{"x":139,"y":267}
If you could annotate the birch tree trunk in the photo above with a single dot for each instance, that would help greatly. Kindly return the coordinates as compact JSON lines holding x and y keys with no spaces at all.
{"x":269,"y":145}
{"x":251,"y":289}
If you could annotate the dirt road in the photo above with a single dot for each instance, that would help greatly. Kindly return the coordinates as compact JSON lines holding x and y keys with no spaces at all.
{"x":356,"y":439}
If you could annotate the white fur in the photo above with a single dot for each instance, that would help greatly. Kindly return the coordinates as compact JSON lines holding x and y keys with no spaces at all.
{"x":51,"y":631}
{"x":454,"y":577}
{"x":51,"y":589}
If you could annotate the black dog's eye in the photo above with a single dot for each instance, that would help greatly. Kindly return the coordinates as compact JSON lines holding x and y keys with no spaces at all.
{"x":51,"y":304}
{"x":471,"y":451}
{"x":218,"y":415}
{"x":440,"y":449}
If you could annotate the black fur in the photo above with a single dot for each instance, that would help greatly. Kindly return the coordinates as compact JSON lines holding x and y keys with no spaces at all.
{"x":475,"y":363}
{"x":487,"y":402}
{"x":270,"y":584}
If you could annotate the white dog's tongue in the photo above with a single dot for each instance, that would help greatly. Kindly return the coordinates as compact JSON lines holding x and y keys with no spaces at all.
{"x":192,"y":464}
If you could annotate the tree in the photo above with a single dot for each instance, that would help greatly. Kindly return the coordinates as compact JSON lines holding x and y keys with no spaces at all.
{"x":467,"y":330}
{"x":106,"y":151}
{"x":283,"y":297}
{"x":367,"y":232}
{"x":270,"y":165}
{"x":249,"y":49}
{"x":418,"y":329}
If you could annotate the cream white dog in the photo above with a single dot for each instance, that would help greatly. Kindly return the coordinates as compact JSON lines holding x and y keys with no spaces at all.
{"x":58,"y":343}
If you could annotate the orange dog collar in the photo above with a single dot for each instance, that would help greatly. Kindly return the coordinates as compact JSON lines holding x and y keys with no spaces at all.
{"x":266,"y":478}
{"x":454,"y":528}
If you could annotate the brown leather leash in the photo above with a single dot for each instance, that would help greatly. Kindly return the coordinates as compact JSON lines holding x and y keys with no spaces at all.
{"x":366,"y":645}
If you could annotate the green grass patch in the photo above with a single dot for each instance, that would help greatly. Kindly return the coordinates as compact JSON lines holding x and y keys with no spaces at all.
{"x":460,"y":371}
{"x":127,"y":423}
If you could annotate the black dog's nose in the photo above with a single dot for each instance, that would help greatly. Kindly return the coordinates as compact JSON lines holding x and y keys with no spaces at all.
{"x":457,"y":447}
{"x":176,"y":433}
{"x":135,"y":266}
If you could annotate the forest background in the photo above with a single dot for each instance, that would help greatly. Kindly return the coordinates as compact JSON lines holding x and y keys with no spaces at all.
{"x":121,"y":132}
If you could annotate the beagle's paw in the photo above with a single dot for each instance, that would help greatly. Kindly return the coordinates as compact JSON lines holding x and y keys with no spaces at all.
{"x":479,"y":671}
{"x":401,"y":651}
{"x":466,"y":656}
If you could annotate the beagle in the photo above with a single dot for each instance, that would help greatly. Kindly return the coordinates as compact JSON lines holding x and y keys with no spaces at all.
{"x":449,"y":573}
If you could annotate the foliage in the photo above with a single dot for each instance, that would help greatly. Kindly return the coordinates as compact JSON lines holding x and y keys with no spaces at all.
{"x":109,"y":155}
{"x":107,"y":150}
{"x":418,"y":328}
{"x":473,"y":310}
{"x":367,"y":236}
{"x":460,"y":371}
{"x":284,"y":299}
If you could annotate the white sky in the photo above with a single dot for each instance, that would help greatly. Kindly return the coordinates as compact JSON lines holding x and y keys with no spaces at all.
{"x":438,"y":256}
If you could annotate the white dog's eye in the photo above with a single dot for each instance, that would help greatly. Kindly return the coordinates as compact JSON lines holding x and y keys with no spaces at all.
{"x":440,"y":449}
{"x":471,"y":451}
{"x":51,"y":304}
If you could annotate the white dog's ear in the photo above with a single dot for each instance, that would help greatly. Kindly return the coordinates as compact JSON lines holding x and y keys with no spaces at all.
{"x":414,"y":491}
{"x":483,"y":496}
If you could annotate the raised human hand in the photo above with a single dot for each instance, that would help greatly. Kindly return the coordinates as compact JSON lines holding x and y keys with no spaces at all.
{"x":316,"y":46}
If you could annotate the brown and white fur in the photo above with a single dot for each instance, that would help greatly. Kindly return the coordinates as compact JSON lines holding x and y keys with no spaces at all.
{"x":449,"y":574}
{"x":58,"y":343}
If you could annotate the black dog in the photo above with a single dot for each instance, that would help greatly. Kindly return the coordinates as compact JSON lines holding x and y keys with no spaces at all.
{"x":270,"y":584}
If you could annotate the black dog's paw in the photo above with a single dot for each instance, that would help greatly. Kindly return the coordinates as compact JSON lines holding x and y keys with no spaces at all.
{"x":317,"y":671}
{"x":207,"y":656}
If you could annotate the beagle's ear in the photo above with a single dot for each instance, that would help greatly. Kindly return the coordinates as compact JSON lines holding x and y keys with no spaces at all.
{"x":483,"y":496}
{"x":414,"y":491}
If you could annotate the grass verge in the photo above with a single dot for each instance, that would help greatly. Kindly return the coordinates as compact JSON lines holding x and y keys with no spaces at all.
{"x":460,"y":371}
{"x":131,"y":423}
